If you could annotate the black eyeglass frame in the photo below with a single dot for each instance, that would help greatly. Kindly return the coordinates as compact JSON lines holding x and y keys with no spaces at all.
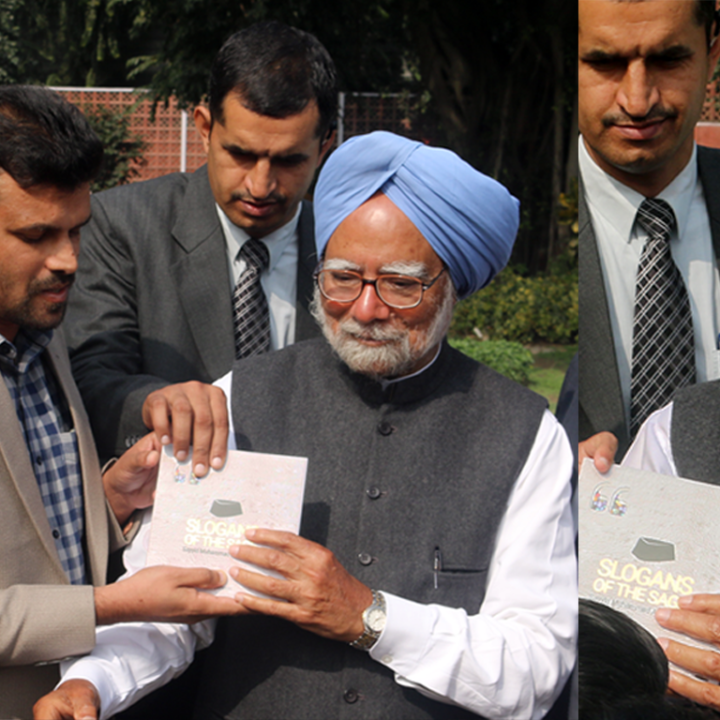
{"x":364,"y":281}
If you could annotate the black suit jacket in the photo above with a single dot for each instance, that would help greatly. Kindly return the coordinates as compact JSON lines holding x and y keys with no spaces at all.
{"x":601,"y":405}
{"x":152,"y":303}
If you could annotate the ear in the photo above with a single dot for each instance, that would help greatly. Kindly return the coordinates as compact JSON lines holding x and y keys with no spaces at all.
{"x":203,"y":123}
{"x":325,"y":145}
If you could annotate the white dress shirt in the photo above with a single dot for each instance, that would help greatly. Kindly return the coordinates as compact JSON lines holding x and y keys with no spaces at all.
{"x":279,"y":280}
{"x":651,"y":449}
{"x":507,"y":662}
{"x":613,"y":208}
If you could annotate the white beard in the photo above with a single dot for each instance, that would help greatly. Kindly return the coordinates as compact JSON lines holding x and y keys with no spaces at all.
{"x":392,"y":359}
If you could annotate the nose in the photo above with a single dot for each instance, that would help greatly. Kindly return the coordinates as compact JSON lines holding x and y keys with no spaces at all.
{"x":638,"y":92}
{"x":369,"y":307}
{"x":64,"y":255}
{"x":260,"y":180}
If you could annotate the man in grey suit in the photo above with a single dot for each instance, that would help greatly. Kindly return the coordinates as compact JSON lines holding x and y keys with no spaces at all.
{"x":56,"y":525}
{"x":154,"y":299}
{"x":643,"y":67}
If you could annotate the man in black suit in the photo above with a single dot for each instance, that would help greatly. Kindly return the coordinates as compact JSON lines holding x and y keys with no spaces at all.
{"x":643,"y":67}
{"x":153,"y":303}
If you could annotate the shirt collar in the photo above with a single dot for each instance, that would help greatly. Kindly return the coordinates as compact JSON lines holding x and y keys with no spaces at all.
{"x":618,"y":204}
{"x":276,"y":242}
{"x":385,"y":383}
{"x":27,"y":346}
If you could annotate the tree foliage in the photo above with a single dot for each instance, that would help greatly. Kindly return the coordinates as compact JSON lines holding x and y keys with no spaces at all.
{"x":498,"y":78}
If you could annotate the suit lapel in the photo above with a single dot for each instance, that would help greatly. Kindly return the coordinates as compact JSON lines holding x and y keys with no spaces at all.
{"x":96,"y":532}
{"x":17,"y":460}
{"x":305,"y":325}
{"x":202,"y":276}
{"x":601,"y":406}
{"x":709,"y":171}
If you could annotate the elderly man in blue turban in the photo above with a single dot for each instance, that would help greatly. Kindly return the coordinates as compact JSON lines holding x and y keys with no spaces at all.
{"x":434,"y":574}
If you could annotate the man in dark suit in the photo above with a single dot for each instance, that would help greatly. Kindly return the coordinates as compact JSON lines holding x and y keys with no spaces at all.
{"x":154,"y":299}
{"x":643,"y":67}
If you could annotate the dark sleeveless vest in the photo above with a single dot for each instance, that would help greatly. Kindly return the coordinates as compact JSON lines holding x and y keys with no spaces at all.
{"x":392,"y":476}
{"x":695,"y":432}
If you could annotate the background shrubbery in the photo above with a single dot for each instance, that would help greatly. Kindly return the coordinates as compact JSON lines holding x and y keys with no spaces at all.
{"x":123,"y":149}
{"x":543,"y":308}
{"x":508,"y":358}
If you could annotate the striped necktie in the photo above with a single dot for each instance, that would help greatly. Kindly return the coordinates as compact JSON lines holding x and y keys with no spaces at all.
{"x":251,"y":317}
{"x":663,"y":355}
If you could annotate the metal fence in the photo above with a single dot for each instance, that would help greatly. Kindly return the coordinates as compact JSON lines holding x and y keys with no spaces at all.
{"x":173,"y":143}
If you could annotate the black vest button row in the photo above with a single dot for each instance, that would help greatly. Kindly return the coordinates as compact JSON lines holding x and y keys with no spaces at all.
{"x":365,"y":559}
{"x":385,"y":428}
{"x":351,"y":696}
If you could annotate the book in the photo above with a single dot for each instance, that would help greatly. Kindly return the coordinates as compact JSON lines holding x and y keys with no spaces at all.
{"x":196,"y":520}
{"x":646,"y":540}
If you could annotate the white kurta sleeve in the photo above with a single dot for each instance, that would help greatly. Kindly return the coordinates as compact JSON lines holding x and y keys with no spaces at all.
{"x":511,"y":660}
{"x":130,"y":660}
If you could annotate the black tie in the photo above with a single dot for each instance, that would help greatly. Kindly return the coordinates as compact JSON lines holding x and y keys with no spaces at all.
{"x":663,"y":355}
{"x":251,"y":317}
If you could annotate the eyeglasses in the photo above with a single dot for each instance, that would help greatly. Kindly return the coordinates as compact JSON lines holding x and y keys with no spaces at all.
{"x":397,"y":291}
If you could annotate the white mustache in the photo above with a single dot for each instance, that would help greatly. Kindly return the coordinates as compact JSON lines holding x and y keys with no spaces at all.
{"x":371,"y":331}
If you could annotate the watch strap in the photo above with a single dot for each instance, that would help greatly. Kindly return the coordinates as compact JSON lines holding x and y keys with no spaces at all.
{"x":369,"y":636}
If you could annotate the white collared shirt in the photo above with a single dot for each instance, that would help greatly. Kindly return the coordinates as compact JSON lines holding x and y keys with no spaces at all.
{"x":613,"y":208}
{"x":279,"y":281}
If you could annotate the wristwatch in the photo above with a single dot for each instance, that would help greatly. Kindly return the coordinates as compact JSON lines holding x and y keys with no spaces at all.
{"x":373,"y":617}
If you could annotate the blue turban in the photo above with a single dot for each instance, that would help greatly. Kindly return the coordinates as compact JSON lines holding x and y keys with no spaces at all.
{"x":469,"y":219}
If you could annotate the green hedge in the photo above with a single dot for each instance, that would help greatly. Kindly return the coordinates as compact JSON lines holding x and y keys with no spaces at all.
{"x":508,"y":358}
{"x":522,"y":309}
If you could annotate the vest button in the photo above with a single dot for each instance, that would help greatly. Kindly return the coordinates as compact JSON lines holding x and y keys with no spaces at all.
{"x":373,"y":492}
{"x":365,"y":558}
{"x":56,"y":534}
{"x":385,"y":428}
{"x":351,"y":696}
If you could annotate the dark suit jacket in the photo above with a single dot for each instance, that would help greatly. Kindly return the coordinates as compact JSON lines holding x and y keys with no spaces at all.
{"x":152,"y":301}
{"x":44,"y":617}
{"x":601,"y":406}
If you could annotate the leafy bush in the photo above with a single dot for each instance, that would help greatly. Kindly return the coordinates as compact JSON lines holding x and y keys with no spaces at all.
{"x":123,"y":150}
{"x":522,"y":309}
{"x":508,"y":358}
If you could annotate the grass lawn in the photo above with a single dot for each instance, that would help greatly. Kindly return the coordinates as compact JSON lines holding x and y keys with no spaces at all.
{"x":548,"y":373}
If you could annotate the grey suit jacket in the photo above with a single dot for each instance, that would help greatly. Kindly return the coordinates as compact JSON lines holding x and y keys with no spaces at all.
{"x":152,"y":302}
{"x":42,"y":616}
{"x":601,"y":405}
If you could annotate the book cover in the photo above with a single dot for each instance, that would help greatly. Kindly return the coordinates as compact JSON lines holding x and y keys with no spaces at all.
{"x":196,"y":520}
{"x":645,"y":540}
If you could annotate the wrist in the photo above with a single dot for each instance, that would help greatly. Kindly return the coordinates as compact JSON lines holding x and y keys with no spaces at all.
{"x":373,"y":618}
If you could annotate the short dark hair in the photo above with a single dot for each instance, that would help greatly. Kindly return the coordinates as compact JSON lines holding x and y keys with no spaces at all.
{"x":706,"y":14}
{"x":276,"y":70}
{"x":45,"y":140}
{"x":619,"y":663}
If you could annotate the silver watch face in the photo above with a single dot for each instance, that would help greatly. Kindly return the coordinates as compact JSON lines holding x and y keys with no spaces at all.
{"x":376,"y":619}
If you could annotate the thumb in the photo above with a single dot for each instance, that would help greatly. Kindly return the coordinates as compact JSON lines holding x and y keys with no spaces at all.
{"x":205,"y":578}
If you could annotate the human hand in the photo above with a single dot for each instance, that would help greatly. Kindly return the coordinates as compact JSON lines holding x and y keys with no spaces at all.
{"x":190,"y":413}
{"x":600,"y":448}
{"x":320,"y":594}
{"x":73,"y":700}
{"x":698,"y":617}
{"x":130,"y":483}
{"x":164,"y":594}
